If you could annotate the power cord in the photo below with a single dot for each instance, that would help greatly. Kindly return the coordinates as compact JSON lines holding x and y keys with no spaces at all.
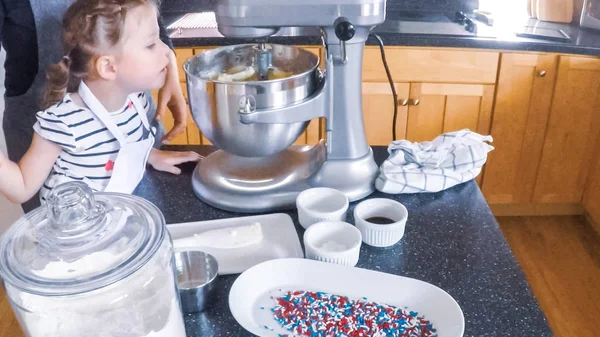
{"x":389,"y":76}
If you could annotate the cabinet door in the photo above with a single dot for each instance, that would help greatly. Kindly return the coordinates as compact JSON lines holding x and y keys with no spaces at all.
{"x":378,"y":112}
{"x":591,"y":199}
{"x":523,"y":98}
{"x":573,"y":127}
{"x":436,"y":108}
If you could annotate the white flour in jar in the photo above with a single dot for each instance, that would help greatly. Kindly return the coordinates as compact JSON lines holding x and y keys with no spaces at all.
{"x":145,"y":304}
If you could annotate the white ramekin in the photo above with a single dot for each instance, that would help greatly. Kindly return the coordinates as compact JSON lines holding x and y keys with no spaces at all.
{"x":381,"y":235}
{"x":322,"y":236}
{"x":321,"y":204}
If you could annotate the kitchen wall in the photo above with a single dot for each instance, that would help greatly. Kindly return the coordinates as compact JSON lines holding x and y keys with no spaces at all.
{"x":8,"y":212}
{"x":171,"y":6}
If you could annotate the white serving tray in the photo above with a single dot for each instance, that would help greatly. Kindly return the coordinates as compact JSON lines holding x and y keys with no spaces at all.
{"x":280,"y":241}
{"x":254,"y":288}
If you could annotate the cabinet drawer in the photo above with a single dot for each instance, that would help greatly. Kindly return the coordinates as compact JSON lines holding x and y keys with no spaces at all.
{"x":431,"y":65}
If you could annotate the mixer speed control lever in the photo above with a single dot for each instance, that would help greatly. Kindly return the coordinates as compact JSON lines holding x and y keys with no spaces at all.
{"x":344,"y":31}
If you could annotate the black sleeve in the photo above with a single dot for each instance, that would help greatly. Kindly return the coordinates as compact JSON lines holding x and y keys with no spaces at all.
{"x":1,"y":21}
{"x":164,"y":35}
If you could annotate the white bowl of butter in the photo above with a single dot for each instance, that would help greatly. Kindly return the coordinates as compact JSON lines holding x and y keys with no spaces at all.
{"x":334,"y":242}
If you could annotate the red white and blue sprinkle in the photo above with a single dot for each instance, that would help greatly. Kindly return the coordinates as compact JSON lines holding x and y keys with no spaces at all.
{"x":319,"y":314}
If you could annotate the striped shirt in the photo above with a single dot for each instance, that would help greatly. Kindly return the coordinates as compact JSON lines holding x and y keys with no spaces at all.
{"x":89,"y":149}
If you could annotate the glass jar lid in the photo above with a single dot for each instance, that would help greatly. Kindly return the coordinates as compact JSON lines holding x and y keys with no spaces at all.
{"x":80,"y":241}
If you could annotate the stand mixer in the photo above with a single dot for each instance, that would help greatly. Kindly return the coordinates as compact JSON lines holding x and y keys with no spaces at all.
{"x":254,"y":122}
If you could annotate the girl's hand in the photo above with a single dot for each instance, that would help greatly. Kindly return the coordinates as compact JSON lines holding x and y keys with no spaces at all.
{"x":21,"y":181}
{"x":166,"y":160}
{"x":171,"y":96}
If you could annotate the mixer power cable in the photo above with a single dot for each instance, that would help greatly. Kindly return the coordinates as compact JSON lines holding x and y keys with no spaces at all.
{"x":389,"y":76}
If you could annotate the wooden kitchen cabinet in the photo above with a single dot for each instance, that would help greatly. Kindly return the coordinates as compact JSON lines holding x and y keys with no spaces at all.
{"x":431,"y":65}
{"x":378,"y":111}
{"x":591,"y":199}
{"x":425,"y":110}
{"x":448,"y":90}
{"x":436,"y":108}
{"x":573,"y":128}
{"x":524,"y":95}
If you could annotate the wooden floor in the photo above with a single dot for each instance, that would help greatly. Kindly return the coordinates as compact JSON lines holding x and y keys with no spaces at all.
{"x":561,"y":259}
{"x":560,"y":256}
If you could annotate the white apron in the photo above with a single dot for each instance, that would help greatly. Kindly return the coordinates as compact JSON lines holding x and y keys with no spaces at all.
{"x":130,"y":165}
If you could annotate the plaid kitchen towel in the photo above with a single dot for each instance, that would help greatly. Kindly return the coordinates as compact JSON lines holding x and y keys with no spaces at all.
{"x":448,"y":160}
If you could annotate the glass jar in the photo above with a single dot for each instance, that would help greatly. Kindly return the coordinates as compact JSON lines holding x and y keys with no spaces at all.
{"x":93,"y":265}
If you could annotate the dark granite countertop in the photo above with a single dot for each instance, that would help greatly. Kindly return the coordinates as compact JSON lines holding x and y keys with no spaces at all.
{"x":427,"y":29}
{"x":452,"y":240}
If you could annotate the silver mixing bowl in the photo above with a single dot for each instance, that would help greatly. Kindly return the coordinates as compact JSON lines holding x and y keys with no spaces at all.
{"x":215,"y":104}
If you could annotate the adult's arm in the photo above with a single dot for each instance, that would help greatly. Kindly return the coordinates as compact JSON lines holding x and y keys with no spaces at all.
{"x":170,"y":95}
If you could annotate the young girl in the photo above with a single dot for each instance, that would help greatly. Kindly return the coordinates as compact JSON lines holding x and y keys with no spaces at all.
{"x":95,"y":128}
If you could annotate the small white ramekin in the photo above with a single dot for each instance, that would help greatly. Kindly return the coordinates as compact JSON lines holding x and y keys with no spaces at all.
{"x":321,"y":204}
{"x":320,"y":238}
{"x":381,"y":235}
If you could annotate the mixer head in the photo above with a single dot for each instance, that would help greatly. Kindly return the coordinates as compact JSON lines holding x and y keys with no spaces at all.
{"x":263,"y":18}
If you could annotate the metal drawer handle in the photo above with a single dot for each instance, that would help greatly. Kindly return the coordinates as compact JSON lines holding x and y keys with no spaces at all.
{"x":542,"y":73}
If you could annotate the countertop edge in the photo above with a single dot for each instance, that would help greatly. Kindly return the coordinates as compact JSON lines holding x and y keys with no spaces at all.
{"x":584,"y":41}
{"x":399,"y":40}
